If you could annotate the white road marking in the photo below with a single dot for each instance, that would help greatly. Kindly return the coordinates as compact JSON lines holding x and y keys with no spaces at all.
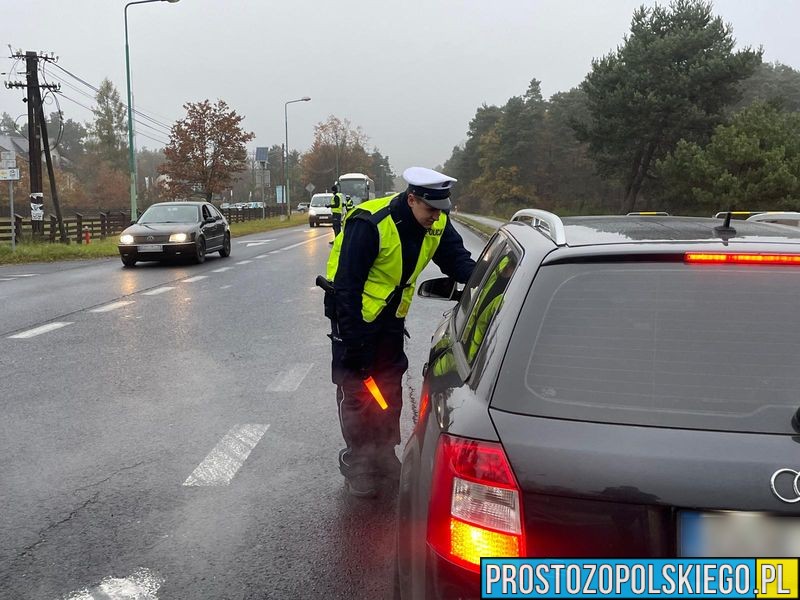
{"x":225,"y":287}
{"x":251,"y":242}
{"x":158,"y":291}
{"x":258,"y":243}
{"x":222,"y":463}
{"x":261,"y":256}
{"x":142,"y":584}
{"x":195,"y":278}
{"x":24,"y":335}
{"x":26,"y":275}
{"x":222,"y":270}
{"x":306,"y":242}
{"x":274,"y":251}
{"x":244,"y":262}
{"x":112,"y":306}
{"x":290,"y":380}
{"x":6,"y":279}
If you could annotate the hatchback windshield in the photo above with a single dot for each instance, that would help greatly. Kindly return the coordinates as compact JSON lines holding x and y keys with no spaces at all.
{"x":659,"y":345}
{"x":169,"y":213}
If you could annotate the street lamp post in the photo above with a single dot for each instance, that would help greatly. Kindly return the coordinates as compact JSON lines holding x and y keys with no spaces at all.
{"x":286,"y":162}
{"x":131,"y":149}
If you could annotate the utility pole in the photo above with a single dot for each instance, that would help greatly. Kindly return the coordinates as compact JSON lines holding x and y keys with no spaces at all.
{"x":37,"y":127}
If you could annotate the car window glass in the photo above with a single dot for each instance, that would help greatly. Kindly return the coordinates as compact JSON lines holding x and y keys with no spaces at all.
{"x":488,"y":300}
{"x":660,"y":345}
{"x":490,"y":253}
{"x":170,"y":213}
{"x":321,"y":200}
{"x":206,"y":214}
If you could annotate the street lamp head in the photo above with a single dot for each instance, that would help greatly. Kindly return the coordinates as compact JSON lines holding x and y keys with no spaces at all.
{"x":171,"y":1}
{"x":304,"y":98}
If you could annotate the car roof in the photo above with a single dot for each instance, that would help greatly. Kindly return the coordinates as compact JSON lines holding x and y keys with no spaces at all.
{"x":181,"y":203}
{"x":578,"y":232}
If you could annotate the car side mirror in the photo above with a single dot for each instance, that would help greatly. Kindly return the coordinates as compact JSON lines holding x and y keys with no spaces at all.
{"x":442,"y":288}
{"x":209,"y":220}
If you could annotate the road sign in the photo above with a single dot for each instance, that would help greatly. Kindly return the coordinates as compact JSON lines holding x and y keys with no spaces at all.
{"x":310,"y":188}
{"x":9,"y":174}
{"x":8,"y":155}
{"x":262,"y":154}
{"x":8,"y":164}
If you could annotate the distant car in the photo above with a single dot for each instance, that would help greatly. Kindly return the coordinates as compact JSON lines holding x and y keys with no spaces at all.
{"x":176,"y":230}
{"x":596,"y":393}
{"x":319,"y":212}
{"x":302,"y":207}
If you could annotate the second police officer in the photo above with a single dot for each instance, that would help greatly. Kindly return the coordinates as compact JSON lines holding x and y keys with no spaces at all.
{"x":373,"y":267}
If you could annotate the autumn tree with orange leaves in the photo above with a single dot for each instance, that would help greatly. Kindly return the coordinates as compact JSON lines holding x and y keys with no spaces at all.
{"x":206,"y":150}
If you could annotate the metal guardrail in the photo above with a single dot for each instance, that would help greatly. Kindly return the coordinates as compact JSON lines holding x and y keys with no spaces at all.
{"x":548,"y":223}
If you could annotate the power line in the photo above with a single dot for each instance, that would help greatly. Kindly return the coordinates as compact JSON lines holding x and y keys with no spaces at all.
{"x":63,"y":95}
{"x":97,"y":90}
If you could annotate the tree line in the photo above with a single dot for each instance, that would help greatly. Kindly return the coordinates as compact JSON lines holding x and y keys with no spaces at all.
{"x":206,"y":157}
{"x":674,"y":119}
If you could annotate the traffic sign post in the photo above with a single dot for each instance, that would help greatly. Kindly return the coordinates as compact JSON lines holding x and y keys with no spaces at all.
{"x":9,"y":172}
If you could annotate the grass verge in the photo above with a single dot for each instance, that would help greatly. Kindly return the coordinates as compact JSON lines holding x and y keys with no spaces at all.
{"x":28,"y":252}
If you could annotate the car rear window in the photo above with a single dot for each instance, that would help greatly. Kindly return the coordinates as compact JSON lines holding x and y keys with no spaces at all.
{"x":672,"y":345}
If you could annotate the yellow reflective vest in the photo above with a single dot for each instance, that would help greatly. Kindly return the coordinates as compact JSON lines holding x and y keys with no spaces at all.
{"x":385,"y":274}
{"x":336,"y":203}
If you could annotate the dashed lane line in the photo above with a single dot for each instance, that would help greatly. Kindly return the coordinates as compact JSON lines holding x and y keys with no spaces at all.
{"x":290,"y":380}
{"x":244,"y":262}
{"x":142,"y":584}
{"x":227,"y":457}
{"x":158,"y":291}
{"x":195,"y":278}
{"x":112,"y":306}
{"x":221,"y":269}
{"x":24,"y":335}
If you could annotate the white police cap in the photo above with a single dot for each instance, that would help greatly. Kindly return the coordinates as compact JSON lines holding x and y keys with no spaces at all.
{"x":430,"y":186}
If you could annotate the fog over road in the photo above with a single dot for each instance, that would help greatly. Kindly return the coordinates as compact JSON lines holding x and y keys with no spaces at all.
{"x":171,"y":430}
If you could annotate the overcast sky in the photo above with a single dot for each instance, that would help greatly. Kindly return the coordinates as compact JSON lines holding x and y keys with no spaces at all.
{"x":411,"y":74}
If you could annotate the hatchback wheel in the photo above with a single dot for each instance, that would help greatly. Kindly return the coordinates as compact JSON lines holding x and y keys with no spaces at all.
{"x":200,"y":251}
{"x":128,"y":261}
{"x":226,"y":247}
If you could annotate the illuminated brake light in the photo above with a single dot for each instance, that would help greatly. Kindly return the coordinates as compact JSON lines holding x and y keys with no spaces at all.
{"x":741,"y":258}
{"x":476,"y":506}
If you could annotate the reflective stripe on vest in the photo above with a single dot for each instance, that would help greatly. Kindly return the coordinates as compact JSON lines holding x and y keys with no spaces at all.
{"x":387,"y":270}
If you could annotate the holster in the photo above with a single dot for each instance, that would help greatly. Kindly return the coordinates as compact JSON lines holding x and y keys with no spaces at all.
{"x":329,"y":301}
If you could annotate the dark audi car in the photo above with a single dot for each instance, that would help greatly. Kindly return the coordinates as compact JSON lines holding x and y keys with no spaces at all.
{"x":608,"y":387}
{"x":176,"y":230}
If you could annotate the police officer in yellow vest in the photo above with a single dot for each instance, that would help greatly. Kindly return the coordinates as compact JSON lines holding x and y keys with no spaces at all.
{"x":374,"y":265}
{"x":336,"y":209}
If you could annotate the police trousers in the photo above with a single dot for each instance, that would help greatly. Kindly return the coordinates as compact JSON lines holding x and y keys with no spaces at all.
{"x":370,"y":433}
{"x":336,"y":221}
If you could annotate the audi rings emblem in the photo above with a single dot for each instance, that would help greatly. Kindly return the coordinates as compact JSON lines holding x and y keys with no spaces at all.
{"x":795,"y":478}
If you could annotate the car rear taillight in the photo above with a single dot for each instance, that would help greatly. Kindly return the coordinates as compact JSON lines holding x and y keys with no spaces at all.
{"x":733,"y":258}
{"x":475,"y":507}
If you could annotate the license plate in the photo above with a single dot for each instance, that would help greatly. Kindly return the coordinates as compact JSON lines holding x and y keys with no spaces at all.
{"x":737,"y":534}
{"x":151,"y":248}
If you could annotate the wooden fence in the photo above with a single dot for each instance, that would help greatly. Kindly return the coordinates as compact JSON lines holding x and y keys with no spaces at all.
{"x":106,"y":224}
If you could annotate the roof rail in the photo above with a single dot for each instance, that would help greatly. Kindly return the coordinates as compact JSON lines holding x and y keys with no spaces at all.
{"x":546,"y":222}
{"x":737,"y":213}
{"x":769,"y":216}
{"x":648,"y":213}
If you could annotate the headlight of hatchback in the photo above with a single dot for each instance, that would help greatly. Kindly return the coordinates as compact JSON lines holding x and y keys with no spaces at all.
{"x":178,"y":237}
{"x":311,"y":212}
{"x":126,"y":239}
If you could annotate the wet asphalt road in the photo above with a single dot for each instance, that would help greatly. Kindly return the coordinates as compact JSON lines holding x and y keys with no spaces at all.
{"x":131,"y":388}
